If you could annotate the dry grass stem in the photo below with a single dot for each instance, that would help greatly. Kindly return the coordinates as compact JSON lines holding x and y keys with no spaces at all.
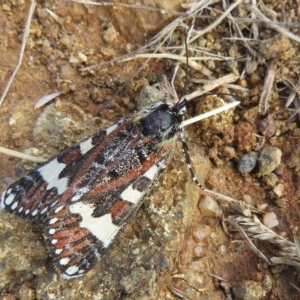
{"x":45,"y":99}
{"x":132,"y":6}
{"x":297,"y":245}
{"x":233,"y":222}
{"x":253,"y":23}
{"x":160,"y":41}
{"x":257,"y":21}
{"x":296,"y":110}
{"x":294,"y":92}
{"x":24,"y":41}
{"x":273,"y":25}
{"x":239,"y":205}
{"x":55,"y":17}
{"x":21,"y":155}
{"x":212,"y":85}
{"x":210,"y":113}
{"x":180,"y":58}
{"x":267,"y":88}
{"x":295,"y":287}
{"x":254,"y":229}
{"x":199,"y":33}
{"x":285,"y":261}
{"x":180,"y":293}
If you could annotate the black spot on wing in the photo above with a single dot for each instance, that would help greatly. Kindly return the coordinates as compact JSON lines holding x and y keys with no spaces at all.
{"x":142,"y":184}
{"x":98,"y":137}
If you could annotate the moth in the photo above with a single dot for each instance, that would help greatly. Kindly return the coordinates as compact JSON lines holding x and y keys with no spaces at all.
{"x":89,"y":192}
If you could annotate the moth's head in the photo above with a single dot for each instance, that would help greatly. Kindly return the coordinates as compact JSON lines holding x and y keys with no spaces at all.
{"x":162,"y":120}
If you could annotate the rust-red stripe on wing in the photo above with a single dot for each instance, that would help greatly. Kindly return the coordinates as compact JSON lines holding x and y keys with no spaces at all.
{"x":88,"y":163}
{"x":128,"y":177}
{"x":70,"y":236}
{"x":75,"y":248}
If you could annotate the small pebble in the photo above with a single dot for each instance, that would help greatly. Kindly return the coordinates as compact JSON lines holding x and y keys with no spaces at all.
{"x":247,"y":199}
{"x":275,"y":46}
{"x":110,"y":35}
{"x":251,"y":66}
{"x":251,"y":290}
{"x":65,"y":39}
{"x":26,"y":293}
{"x":270,"y":179}
{"x":229,"y":152}
{"x":82,"y":56}
{"x":270,"y":220}
{"x":209,"y":207}
{"x":267,"y":126}
{"x":201,"y":232}
{"x":126,"y":100}
{"x":269,"y":160}
{"x":278,"y":190}
{"x":200,"y":250}
{"x":262,"y":206}
{"x":281,"y":202}
{"x":254,"y":79}
{"x":73,"y":59}
{"x":223,"y":248}
{"x":148,"y":95}
{"x":247,"y":162}
{"x":6,"y":7}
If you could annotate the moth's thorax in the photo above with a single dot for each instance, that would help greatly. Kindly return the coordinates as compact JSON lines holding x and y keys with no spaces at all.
{"x":162,"y":121}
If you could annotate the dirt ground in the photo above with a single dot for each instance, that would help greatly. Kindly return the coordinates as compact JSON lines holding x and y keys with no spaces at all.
{"x":171,"y":249}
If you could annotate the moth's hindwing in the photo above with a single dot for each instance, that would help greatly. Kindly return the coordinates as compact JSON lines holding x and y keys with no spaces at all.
{"x":90,"y":191}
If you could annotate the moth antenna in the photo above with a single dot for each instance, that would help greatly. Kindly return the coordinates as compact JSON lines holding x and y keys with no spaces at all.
{"x":165,"y":97}
{"x":185,"y":148}
{"x":186,"y":153}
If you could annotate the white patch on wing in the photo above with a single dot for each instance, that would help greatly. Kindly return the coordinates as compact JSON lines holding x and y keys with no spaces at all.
{"x":52,"y":231}
{"x":72,"y":270}
{"x":64,"y":261}
{"x":52,"y":221}
{"x":86,"y":145}
{"x":58,"y":251}
{"x":50,"y":173}
{"x":44,"y":210}
{"x":8,"y":200}
{"x":111,"y":128}
{"x":152,"y":172}
{"x":54,"y":203}
{"x":34,"y":212}
{"x":131,"y":195}
{"x":58,"y":209}
{"x":14,"y":206}
{"x":102,"y":228}
{"x":79,"y":193}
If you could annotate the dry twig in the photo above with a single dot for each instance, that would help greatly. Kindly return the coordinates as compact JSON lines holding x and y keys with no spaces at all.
{"x":24,"y":41}
{"x":267,"y":87}
{"x":21,"y":155}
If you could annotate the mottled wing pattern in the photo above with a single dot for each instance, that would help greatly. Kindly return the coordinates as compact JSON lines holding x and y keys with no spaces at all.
{"x":90,"y":191}
{"x":35,"y":194}
{"x":79,"y":233}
